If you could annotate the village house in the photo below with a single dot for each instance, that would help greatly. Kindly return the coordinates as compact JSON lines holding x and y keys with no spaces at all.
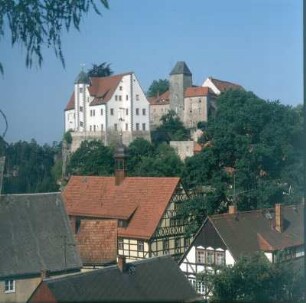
{"x":101,"y":107}
{"x":36,"y":241}
{"x":223,"y":238}
{"x":156,"y":280}
{"x":144,"y":207}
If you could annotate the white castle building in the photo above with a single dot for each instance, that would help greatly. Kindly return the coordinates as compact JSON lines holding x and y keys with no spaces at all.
{"x":103,"y":107}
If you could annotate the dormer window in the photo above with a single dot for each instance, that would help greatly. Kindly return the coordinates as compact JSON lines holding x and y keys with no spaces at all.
{"x":122,"y":223}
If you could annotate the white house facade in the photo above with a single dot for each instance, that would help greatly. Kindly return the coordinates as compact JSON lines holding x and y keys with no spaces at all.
{"x":104,"y":106}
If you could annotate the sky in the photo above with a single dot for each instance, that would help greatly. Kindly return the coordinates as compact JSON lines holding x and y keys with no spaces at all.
{"x":255,"y":43}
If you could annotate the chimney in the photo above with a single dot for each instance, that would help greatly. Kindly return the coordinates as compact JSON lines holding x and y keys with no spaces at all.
{"x":121,"y":263}
{"x":232,"y":209}
{"x":279,"y":224}
{"x":120,"y":163}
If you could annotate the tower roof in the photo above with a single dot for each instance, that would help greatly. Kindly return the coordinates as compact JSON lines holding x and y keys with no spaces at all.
{"x":82,"y":78}
{"x":181,"y":68}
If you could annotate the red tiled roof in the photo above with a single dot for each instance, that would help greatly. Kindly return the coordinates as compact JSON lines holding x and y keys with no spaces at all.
{"x":97,"y":241}
{"x":103,"y":88}
{"x":197,"y":91}
{"x":70,"y":104}
{"x":160,"y":100}
{"x":224,"y":85}
{"x":141,"y":200}
{"x":251,"y":231}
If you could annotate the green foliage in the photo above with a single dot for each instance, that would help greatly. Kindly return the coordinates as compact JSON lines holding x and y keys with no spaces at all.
{"x":147,"y":160}
{"x":158,"y":87}
{"x":28,"y":168}
{"x":92,"y":158}
{"x":171,"y":129}
{"x":255,"y":279}
{"x":68,"y":137}
{"x":102,"y":70}
{"x":34,"y":23}
{"x":261,"y":143}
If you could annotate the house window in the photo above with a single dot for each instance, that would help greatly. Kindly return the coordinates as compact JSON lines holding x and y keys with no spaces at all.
{"x":137,"y":111}
{"x":94,"y":128}
{"x":120,"y":98}
{"x":101,"y":127}
{"x":120,"y":87}
{"x":112,"y":111}
{"x":137,"y":126}
{"x":187,"y":242}
{"x":126,"y":126}
{"x":177,"y":242}
{"x":93,"y":112}
{"x":116,"y":98}
{"x":137,"y":97}
{"x":143,"y":126}
{"x":144,"y":111}
{"x":116,"y":126}
{"x":77,"y":224}
{"x":81,"y":124}
{"x":200,"y":287}
{"x":120,"y":243}
{"x":90,"y":128}
{"x":127,"y":111}
{"x":9,"y":286}
{"x":166,"y":246}
{"x":210,"y":257}
{"x":127,"y":97}
{"x":101,"y":111}
{"x":81,"y":108}
{"x":220,"y":258}
{"x":200,"y":256}
{"x":140,"y":245}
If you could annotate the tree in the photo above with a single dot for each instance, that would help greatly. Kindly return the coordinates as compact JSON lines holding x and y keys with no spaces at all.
{"x":34,"y":23}
{"x":102,"y":70}
{"x":158,"y":87}
{"x":255,"y":155}
{"x":28,"y":168}
{"x":92,"y":158}
{"x":171,"y":129}
{"x":147,"y":160}
{"x":255,"y":279}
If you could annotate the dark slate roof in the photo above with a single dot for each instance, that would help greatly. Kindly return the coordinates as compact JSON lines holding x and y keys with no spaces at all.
{"x":82,"y":78}
{"x":181,"y":68}
{"x":155,"y":279}
{"x":251,"y":231}
{"x":33,"y":228}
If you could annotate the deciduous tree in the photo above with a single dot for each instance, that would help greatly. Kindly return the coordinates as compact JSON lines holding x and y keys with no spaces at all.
{"x":158,"y":87}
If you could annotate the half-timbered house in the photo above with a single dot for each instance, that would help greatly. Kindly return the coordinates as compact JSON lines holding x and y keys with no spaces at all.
{"x":277,"y":232}
{"x":144,"y":207}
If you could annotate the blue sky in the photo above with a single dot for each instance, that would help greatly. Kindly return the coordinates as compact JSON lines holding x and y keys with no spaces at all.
{"x":256,"y":43}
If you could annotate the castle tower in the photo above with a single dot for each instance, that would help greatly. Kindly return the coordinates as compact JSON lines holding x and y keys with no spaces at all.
{"x":80,"y":87}
{"x":180,"y":78}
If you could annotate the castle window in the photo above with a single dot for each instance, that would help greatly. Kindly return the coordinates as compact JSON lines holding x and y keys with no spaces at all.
{"x":140,"y":245}
{"x":101,"y":127}
{"x":137,"y":111}
{"x":137,"y":97}
{"x":116,"y":98}
{"x":81,"y":108}
{"x":80,"y":89}
{"x":144,"y":111}
{"x":143,"y":126}
{"x":137,"y":126}
{"x":94,"y":128}
{"x":120,"y":87}
{"x":81,"y":124}
{"x":120,"y":98}
{"x":112,"y":111}
{"x":127,"y":97}
{"x":127,"y":111}
{"x":90,"y":128}
{"x":126,"y":126}
{"x":9,"y":286}
{"x":116,"y":126}
{"x":101,"y":111}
